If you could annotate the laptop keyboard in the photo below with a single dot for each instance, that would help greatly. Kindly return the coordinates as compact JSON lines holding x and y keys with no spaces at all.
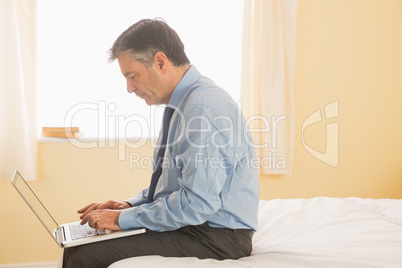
{"x":79,"y":231}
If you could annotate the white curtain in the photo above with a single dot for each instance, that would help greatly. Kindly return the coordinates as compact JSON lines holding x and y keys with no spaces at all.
{"x":18,"y":134}
{"x":267,"y":80}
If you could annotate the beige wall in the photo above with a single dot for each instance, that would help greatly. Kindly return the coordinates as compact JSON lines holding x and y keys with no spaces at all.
{"x":347,"y":50}
{"x":350,"y":51}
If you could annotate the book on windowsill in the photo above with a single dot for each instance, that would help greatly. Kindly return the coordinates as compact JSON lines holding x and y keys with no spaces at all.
{"x":60,"y":129}
{"x":61,"y":132}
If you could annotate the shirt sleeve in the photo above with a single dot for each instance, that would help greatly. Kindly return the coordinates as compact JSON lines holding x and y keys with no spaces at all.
{"x":138,"y":199}
{"x":201,"y":181}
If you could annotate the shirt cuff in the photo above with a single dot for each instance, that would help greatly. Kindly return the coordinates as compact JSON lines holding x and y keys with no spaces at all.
{"x":138,"y":199}
{"x":127,"y":219}
{"x":135,"y":200}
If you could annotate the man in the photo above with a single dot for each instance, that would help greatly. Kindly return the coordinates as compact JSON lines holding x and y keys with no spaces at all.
{"x":203,"y":197}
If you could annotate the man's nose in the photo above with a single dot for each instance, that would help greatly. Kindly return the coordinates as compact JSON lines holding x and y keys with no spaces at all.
{"x":130,"y":87}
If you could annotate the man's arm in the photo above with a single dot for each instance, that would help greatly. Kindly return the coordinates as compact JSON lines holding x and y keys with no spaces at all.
{"x":138,"y":199}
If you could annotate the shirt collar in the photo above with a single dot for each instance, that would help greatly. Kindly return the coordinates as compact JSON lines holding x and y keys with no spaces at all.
{"x":189,"y":78}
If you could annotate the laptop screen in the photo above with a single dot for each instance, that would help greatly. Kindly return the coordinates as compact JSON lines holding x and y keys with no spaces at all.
{"x":33,"y":201}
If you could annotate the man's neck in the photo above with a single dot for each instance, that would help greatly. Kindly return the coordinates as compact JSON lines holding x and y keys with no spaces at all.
{"x":181,"y":71}
{"x":177,"y":73}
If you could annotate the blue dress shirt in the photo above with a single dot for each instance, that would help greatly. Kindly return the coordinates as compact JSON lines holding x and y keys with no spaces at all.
{"x":208,"y":173}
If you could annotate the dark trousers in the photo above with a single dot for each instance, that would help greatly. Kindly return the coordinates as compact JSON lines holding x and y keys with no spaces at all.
{"x":199,"y":241}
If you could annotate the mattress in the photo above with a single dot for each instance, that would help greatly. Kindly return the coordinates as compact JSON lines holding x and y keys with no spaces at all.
{"x":316,"y":232}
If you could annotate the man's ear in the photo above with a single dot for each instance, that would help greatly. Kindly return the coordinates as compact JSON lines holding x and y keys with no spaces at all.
{"x":161,"y":61}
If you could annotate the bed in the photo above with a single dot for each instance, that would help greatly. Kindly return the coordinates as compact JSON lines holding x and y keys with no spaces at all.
{"x":316,"y":232}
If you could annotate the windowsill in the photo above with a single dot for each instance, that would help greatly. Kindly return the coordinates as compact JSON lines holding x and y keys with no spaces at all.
{"x":102,"y":140}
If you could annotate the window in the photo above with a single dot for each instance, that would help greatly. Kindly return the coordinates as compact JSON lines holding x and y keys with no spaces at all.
{"x":76,"y":84}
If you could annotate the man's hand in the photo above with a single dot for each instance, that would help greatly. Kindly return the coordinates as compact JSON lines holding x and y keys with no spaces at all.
{"x":106,"y":219}
{"x":110,"y":208}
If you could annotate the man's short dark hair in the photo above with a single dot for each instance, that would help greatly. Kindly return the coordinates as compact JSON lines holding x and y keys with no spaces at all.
{"x":147,"y":37}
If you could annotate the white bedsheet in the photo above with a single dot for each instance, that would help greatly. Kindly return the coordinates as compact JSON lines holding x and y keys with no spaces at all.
{"x":317,"y":232}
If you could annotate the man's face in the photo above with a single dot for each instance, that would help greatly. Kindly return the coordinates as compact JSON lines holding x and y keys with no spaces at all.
{"x":146,"y":83}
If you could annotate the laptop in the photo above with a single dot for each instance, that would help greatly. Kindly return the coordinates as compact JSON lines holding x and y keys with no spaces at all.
{"x":69,"y":234}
